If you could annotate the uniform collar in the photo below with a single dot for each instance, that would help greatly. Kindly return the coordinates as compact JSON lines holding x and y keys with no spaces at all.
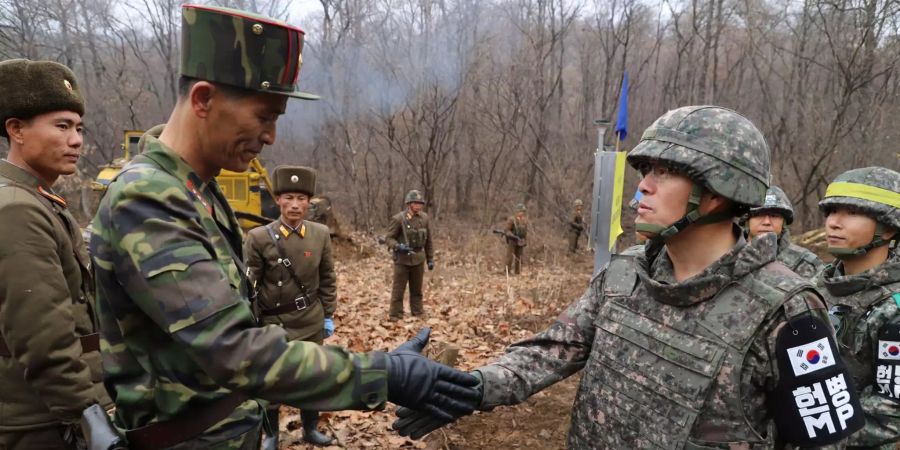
{"x":840,"y":285}
{"x":658,"y":275}
{"x":21,"y":176}
{"x":171,"y":162}
{"x":287,"y":231}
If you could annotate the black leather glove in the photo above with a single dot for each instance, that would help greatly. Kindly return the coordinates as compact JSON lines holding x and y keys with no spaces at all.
{"x":415,"y":381}
{"x":431,"y":265}
{"x":417,"y":424}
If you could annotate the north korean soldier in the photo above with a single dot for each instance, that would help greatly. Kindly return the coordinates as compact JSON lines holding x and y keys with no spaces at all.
{"x":516,"y":230}
{"x":409,"y":237}
{"x":576,"y":226}
{"x":49,"y":345}
{"x":289,"y":261}
{"x":862,"y":287}
{"x":774,"y":216}
{"x":703,"y":340}
{"x":182,"y":353}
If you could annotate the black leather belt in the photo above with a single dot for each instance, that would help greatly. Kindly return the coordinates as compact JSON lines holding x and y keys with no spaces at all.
{"x":299,"y":304}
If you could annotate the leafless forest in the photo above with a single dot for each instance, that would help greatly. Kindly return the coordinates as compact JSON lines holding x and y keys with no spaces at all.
{"x":486,"y":103}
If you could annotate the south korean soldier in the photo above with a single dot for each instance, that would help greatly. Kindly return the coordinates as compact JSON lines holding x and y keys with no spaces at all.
{"x":700,"y":339}
{"x":862,"y":288}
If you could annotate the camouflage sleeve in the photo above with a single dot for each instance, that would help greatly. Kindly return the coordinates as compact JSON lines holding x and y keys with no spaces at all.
{"x":544,"y":359}
{"x":253,"y":257}
{"x":327,"y":279}
{"x":36,"y":318}
{"x":882,"y":414}
{"x":761,"y":366}
{"x":392,"y":233}
{"x":165,"y":265}
{"x":429,"y":247}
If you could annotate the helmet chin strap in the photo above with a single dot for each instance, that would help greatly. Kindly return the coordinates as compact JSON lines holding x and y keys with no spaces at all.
{"x":661,"y":233}
{"x":878,"y":240}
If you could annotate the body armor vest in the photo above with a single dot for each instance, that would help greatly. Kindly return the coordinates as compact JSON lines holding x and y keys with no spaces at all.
{"x":663,"y":371}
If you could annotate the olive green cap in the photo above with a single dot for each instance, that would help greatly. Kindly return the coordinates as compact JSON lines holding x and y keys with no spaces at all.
{"x":294,"y":179}
{"x":241,"y":49}
{"x":520,"y":207}
{"x":31,"y":88}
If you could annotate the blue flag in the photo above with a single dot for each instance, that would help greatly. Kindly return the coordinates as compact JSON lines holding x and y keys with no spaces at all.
{"x":622,"y":120}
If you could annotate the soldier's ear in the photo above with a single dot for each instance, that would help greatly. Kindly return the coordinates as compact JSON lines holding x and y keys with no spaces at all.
{"x":15,"y":129}
{"x":201,"y":98}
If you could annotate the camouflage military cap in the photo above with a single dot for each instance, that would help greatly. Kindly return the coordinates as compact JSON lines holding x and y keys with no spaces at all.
{"x":873,"y":190}
{"x":520,"y":207}
{"x":578,"y":202}
{"x":414,"y":196}
{"x":714,"y":146}
{"x":32,"y":88}
{"x":294,"y":179}
{"x":776,"y":201}
{"x":241,"y":49}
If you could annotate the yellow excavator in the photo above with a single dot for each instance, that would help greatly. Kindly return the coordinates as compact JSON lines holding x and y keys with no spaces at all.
{"x":249,"y":193}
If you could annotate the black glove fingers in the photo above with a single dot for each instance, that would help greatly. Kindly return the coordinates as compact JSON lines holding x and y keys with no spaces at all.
{"x":457,"y":377}
{"x":450,"y":405}
{"x":458,"y":392}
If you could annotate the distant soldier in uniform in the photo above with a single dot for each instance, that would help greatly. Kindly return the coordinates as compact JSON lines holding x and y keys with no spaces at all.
{"x":409,"y":237}
{"x":516,"y":230}
{"x":862,"y":286}
{"x":49,"y":346}
{"x":289,"y":260}
{"x":183,"y":356}
{"x":774,"y":216}
{"x":700,"y":339}
{"x":576,"y":226}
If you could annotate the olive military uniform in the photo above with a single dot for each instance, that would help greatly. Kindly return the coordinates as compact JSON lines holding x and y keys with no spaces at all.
{"x":576,"y":227}
{"x":516,"y":239}
{"x":309,"y":249}
{"x":46,"y":311}
{"x":294,"y":278}
{"x":49,"y":346}
{"x":413,"y":231}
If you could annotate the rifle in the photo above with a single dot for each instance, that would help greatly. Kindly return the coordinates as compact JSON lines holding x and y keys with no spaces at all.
{"x":509,"y":235}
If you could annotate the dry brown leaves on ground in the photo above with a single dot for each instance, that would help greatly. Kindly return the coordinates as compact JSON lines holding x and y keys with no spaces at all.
{"x":471,"y":304}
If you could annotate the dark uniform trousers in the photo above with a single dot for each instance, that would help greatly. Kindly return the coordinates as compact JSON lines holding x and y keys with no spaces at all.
{"x":514,"y":254}
{"x":413,"y":275}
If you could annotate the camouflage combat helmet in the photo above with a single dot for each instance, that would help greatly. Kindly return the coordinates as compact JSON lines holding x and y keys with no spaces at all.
{"x":578,"y":202}
{"x":778,"y":202}
{"x":520,"y":207}
{"x":414,"y":196}
{"x":717,"y":148}
{"x":874,"y":191}
{"x":241,"y":49}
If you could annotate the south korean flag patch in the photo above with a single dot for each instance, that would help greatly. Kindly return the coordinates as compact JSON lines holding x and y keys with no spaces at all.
{"x":811,"y":357}
{"x":887,"y":362}
{"x":815,"y":402}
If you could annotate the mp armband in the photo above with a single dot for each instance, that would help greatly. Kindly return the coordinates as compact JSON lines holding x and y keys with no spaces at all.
{"x":887,"y":362}
{"x":815,"y":402}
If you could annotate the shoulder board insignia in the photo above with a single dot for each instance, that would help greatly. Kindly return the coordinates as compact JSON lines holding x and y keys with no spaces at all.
{"x":52,"y":197}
